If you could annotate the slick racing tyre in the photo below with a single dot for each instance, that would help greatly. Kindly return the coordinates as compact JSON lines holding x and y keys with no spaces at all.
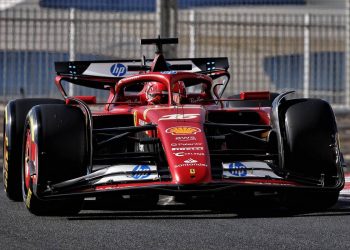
{"x":311,"y":150}
{"x":14,"y":118}
{"x":54,"y":151}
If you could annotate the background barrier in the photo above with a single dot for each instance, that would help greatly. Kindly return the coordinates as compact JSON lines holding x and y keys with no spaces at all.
{"x":272,"y":45}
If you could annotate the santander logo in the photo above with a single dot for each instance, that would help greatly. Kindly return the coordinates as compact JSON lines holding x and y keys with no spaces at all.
{"x":190,"y":161}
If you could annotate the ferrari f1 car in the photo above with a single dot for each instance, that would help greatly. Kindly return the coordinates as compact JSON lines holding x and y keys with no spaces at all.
{"x":165,"y":129}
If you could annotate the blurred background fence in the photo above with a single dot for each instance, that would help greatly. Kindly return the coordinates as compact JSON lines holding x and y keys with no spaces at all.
{"x":271,"y":44}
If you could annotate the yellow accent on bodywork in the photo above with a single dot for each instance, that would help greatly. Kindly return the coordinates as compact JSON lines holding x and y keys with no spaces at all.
{"x":135,"y":117}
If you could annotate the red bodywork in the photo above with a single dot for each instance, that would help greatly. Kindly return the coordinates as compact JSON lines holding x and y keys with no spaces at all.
{"x":180,"y":128}
{"x":198,"y":142}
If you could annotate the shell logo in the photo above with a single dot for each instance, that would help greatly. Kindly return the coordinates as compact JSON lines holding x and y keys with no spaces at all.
{"x":183,"y":130}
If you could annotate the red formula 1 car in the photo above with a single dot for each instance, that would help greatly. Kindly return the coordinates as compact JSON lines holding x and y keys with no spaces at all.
{"x":166,"y":130}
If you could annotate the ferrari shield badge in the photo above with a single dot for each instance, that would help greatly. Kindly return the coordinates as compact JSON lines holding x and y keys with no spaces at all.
{"x":192,"y":172}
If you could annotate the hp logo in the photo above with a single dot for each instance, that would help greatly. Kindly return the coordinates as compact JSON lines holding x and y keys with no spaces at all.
{"x":141,"y":172}
{"x":118,"y":69}
{"x":238,"y":169}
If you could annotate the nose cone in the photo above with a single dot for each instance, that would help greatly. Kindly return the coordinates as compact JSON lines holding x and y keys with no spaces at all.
{"x":184,"y":143}
{"x":187,"y":152}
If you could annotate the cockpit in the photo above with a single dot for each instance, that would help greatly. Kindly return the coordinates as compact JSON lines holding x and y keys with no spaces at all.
{"x":183,"y":91}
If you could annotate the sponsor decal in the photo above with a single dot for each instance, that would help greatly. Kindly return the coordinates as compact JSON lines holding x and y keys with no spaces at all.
{"x":28,"y":198}
{"x":238,"y":169}
{"x":183,"y":130}
{"x":186,"y":144}
{"x":191,"y":165}
{"x":185,"y":138}
{"x":170,"y":72}
{"x":248,"y":169}
{"x":128,"y":173}
{"x":195,"y":99}
{"x":187,"y":149}
{"x":6,"y":158}
{"x":190,"y":160}
{"x":118,"y":69}
{"x":179,"y":116}
{"x":180,"y":154}
{"x":142,"y":122}
{"x":141,"y":172}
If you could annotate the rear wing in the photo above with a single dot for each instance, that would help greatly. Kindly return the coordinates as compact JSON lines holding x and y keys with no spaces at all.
{"x":118,"y":69}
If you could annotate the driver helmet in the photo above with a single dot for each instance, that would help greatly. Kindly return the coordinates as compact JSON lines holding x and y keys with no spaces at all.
{"x":156,"y":93}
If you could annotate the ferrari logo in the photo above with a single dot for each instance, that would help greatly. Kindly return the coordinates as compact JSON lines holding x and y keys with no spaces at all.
{"x":192,"y":171}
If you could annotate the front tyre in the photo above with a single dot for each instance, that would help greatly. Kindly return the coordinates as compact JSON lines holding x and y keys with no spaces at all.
{"x":54,"y":151}
{"x":311,"y":152}
{"x":14,"y":118}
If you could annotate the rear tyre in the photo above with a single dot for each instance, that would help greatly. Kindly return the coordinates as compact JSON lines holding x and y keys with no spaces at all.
{"x":14,"y":118}
{"x":54,"y":151}
{"x":311,"y":151}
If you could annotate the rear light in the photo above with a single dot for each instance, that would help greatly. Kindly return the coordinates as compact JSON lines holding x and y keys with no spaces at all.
{"x":261,"y":95}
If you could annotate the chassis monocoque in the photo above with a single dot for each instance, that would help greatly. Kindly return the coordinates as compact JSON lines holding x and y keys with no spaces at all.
{"x":193,"y":142}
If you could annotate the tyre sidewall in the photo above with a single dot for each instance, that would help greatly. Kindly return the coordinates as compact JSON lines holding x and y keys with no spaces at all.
{"x":14,"y":119}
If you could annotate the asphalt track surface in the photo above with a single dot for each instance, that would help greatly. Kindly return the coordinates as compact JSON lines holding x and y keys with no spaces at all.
{"x":264,"y":225}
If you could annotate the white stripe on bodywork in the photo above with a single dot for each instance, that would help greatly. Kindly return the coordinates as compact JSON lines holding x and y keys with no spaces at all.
{"x":126,"y":173}
{"x":125,"y":178}
{"x":104,"y":69}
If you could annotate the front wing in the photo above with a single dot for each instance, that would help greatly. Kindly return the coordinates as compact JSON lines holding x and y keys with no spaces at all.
{"x":130,"y":179}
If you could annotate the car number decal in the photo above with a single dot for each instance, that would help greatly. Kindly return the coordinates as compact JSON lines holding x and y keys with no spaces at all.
{"x":179,"y":116}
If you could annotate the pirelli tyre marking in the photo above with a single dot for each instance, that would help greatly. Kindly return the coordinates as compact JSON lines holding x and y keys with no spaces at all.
{"x":6,"y":158}
{"x":28,"y":198}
